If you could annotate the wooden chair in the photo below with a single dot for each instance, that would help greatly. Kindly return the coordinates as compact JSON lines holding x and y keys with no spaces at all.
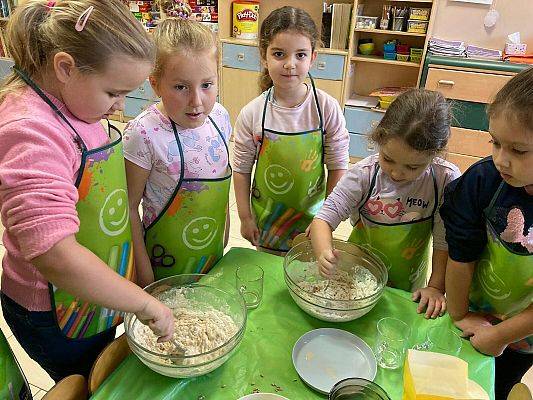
{"x":108,"y":360}
{"x":519,"y":392}
{"x":73,"y":387}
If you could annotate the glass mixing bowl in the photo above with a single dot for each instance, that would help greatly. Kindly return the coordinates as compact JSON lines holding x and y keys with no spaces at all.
{"x":204,"y":291}
{"x":300,"y":265}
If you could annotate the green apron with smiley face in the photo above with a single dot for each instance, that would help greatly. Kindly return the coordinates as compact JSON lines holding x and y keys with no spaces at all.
{"x":289,"y":186}
{"x":103,"y":212}
{"x":404,"y":247}
{"x":188,"y":235}
{"x":502,"y":284}
{"x":13,"y":384}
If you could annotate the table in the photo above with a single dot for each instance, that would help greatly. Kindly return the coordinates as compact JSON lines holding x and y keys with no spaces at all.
{"x":264,"y":359}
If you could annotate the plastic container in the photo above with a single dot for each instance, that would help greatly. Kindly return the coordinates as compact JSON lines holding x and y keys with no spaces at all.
{"x":402,"y":57}
{"x":389,"y":56}
{"x":364,"y":22}
{"x":402,"y":48}
{"x":300,"y":265}
{"x":416,"y":54}
{"x":416,"y":26}
{"x":245,"y":19}
{"x":202,"y":291}
{"x":357,"y":389}
{"x":397,"y":23}
{"x":384,"y":104}
{"x":366,"y":48}
{"x":421,"y":14}
{"x":515,"y":49}
{"x":389,"y":47}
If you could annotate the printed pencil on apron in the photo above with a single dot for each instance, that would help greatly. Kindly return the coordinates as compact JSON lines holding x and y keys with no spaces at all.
{"x":103,"y":212}
{"x":502,"y":284}
{"x":289,"y":182}
{"x":188,"y":234}
{"x":404,"y":247}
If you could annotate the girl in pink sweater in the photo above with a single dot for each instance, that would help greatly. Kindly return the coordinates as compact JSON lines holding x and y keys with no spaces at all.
{"x":68,"y":270}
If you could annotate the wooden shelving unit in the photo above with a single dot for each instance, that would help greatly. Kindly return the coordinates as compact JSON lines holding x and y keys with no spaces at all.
{"x":381,"y":60}
{"x":389,"y":32}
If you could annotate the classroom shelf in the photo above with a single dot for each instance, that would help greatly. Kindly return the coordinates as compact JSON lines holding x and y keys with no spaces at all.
{"x":245,"y":42}
{"x":381,"y":60}
{"x":389,"y":32}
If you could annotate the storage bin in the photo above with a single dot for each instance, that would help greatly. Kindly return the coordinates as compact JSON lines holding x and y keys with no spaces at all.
{"x":416,"y":26}
{"x":416,"y":59}
{"x":397,"y":23}
{"x":364,"y":22}
{"x":402,"y":48}
{"x":389,"y":56}
{"x":402,"y":57}
{"x":421,"y":14}
{"x":389,"y":47}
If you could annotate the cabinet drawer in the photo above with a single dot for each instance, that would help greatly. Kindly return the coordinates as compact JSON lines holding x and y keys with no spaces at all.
{"x":462,"y":85}
{"x":469,"y":142}
{"x":144,"y":92}
{"x":360,"y":146}
{"x":361,"y":120}
{"x":5,"y":67}
{"x":134,"y":106}
{"x":462,"y":161}
{"x":328,"y":66}
{"x":241,"y":57}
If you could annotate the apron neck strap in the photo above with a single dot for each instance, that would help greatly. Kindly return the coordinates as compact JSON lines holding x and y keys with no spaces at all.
{"x":315,"y":96}
{"x":495,"y":197}
{"x":435,"y":190}
{"x":47,"y":100}
{"x":180,"y":149}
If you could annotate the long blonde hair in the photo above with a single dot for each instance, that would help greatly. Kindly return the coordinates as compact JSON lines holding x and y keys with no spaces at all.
{"x":176,"y":35}
{"x":39,"y":29}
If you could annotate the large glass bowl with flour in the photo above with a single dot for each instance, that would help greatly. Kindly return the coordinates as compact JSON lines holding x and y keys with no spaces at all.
{"x":355,"y":288}
{"x":210,"y":320}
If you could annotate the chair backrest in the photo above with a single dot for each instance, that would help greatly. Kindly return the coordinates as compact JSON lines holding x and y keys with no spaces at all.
{"x":73,"y":387}
{"x":519,"y":392}
{"x":13,"y":383}
{"x":108,"y":360}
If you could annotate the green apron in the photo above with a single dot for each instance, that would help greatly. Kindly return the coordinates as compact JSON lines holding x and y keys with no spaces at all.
{"x":103,"y":211}
{"x":13,"y":384}
{"x":404,"y":247}
{"x":289,"y":185}
{"x":188,"y":234}
{"x":502,"y":282}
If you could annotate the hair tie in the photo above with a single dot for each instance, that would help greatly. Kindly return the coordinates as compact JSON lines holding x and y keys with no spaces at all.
{"x":82,"y":20}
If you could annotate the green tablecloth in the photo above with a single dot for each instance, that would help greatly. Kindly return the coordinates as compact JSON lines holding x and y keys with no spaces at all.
{"x":264,"y":360}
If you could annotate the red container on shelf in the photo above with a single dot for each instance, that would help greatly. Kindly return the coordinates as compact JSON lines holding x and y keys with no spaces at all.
{"x":402,"y":48}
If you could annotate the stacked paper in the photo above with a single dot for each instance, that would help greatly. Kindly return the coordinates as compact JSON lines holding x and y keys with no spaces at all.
{"x":483,"y":53}
{"x":443,"y":47}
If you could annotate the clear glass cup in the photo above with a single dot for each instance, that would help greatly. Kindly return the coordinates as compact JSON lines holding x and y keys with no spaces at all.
{"x":441,"y":340}
{"x":249,"y":280}
{"x":391,"y":342}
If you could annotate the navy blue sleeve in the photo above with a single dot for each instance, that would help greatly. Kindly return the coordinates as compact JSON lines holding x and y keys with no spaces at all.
{"x":465,"y":199}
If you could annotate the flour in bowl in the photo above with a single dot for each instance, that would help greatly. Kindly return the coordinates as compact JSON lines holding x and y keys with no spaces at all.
{"x":358,"y":284}
{"x":199,"y":328}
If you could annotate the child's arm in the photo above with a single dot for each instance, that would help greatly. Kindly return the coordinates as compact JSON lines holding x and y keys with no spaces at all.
{"x":137,"y":178}
{"x":334,"y":176}
{"x":72,"y":267}
{"x":432,"y":296}
{"x":493,"y":339}
{"x":321,"y":240}
{"x":249,"y":229}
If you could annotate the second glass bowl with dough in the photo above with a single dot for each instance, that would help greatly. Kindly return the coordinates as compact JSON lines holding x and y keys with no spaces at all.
{"x":356,"y":287}
{"x":210,"y":320}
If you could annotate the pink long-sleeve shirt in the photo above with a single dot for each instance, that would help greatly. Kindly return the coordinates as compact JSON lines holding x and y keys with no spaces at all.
{"x":39,"y":163}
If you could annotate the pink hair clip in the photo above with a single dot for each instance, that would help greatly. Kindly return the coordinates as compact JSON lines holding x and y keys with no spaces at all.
{"x":51,"y":4}
{"x":82,"y":20}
